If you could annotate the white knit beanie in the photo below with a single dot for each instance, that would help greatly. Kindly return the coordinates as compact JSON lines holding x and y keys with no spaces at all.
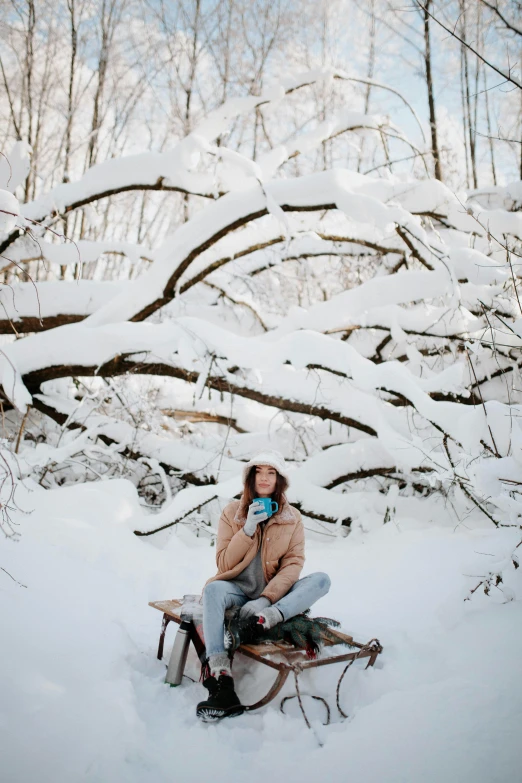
{"x":273,"y":458}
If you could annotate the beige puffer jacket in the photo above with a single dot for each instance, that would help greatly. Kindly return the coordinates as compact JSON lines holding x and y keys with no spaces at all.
{"x":282,"y":551}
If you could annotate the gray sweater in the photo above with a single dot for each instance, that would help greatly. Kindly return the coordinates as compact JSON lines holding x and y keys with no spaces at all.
{"x":252,"y":579}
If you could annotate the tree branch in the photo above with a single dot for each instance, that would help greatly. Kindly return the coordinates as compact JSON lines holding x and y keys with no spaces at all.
{"x":122,"y":365}
{"x":505,"y":21}
{"x":505,"y":76}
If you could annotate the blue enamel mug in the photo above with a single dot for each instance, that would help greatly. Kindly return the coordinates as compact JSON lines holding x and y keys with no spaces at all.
{"x":270,"y":506}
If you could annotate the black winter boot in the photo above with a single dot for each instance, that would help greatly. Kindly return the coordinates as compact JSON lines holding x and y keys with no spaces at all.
{"x":222,"y":701}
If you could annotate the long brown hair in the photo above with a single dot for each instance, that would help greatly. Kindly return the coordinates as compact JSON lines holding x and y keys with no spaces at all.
{"x":249,"y":491}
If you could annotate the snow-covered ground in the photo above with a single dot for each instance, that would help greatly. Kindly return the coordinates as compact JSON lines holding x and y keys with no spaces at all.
{"x":83,"y":697}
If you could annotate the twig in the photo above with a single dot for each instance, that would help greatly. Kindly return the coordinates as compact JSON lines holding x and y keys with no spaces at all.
{"x":482,"y":401}
{"x":178,"y":519}
{"x":21,"y":431}
{"x":12,"y":577}
{"x":508,"y":256}
{"x":460,"y":482}
{"x":508,"y":24}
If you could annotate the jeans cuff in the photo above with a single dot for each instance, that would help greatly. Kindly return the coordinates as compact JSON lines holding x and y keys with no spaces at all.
{"x":215,"y":652}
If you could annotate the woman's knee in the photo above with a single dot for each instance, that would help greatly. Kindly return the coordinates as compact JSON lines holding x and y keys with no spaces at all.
{"x":215,"y":591}
{"x":323,"y":581}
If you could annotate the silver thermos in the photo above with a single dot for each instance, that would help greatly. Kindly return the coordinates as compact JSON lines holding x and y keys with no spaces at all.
{"x":178,"y":656}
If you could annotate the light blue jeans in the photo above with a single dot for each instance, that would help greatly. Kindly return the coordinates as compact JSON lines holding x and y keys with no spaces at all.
{"x":220,"y":595}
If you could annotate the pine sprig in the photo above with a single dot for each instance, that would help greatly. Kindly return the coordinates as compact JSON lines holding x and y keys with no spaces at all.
{"x":302,"y":631}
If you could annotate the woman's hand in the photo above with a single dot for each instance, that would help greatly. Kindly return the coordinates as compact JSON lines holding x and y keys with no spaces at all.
{"x":256,"y":514}
{"x":253,"y":607}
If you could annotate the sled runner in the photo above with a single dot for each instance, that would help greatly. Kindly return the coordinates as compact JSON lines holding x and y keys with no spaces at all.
{"x":282,"y":657}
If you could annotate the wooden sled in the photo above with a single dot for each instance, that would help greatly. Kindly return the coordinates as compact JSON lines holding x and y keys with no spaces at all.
{"x":281,"y":656}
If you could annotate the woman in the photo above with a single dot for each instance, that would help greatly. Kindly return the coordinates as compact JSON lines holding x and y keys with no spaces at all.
{"x":259,"y":559}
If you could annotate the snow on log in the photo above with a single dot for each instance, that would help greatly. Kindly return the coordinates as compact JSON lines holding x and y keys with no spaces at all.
{"x":32,"y":307}
{"x":218,"y":476}
{"x":69,"y":253}
{"x":287,"y":370}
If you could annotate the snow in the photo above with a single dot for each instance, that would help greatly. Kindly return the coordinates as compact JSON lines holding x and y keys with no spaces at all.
{"x":472,"y":265}
{"x":306,"y":142}
{"x":393,"y":289}
{"x":15,"y":166}
{"x":345,"y":189}
{"x":81,"y":686}
{"x":83,"y":251}
{"x":174,"y":260}
{"x":51,"y":298}
{"x":189,"y":343}
{"x":508,"y":197}
{"x":9,"y":211}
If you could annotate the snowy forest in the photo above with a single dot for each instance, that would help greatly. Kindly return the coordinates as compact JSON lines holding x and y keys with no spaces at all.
{"x":228,"y":226}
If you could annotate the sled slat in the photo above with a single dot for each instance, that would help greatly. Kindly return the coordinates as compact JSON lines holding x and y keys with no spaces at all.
{"x":267,"y":648}
{"x":343,"y":637}
{"x":172,"y":608}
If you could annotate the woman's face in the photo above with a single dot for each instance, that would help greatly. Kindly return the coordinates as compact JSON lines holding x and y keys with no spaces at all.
{"x":266,"y":477}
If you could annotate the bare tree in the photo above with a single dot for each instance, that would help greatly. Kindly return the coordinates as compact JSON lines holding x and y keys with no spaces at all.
{"x":431,"y":91}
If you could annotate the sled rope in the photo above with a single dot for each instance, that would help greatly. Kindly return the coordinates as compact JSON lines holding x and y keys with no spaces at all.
{"x":373,"y":645}
{"x":297,"y":671}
